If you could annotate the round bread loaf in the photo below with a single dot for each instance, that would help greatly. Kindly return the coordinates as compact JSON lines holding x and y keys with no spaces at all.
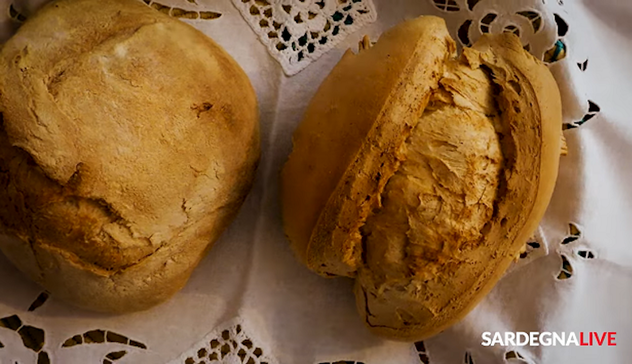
{"x":422,"y":174}
{"x":128,"y":142}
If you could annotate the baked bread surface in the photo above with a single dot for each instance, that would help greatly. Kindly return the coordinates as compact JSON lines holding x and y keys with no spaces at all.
{"x":428,"y":218}
{"x":128,"y":142}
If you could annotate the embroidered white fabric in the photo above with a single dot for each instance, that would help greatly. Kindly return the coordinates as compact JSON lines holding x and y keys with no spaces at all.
{"x":297,"y":33}
{"x":250,"y":302}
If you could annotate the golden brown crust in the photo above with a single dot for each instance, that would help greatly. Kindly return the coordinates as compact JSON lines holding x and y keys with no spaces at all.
{"x":468,"y":187}
{"x":436,"y":205}
{"x":129,"y":141}
{"x":367,"y":105}
{"x":450,"y":270}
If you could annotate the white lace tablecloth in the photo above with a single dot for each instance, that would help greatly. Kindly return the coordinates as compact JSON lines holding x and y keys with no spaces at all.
{"x":250,"y":302}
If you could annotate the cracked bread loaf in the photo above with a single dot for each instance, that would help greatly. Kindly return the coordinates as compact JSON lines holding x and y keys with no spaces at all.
{"x":422,"y":173}
{"x":128,"y":141}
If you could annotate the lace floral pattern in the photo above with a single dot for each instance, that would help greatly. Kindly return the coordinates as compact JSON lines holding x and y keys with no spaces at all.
{"x":297,"y":33}
{"x":34,"y":338}
{"x":231,"y":345}
{"x":534,"y":25}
